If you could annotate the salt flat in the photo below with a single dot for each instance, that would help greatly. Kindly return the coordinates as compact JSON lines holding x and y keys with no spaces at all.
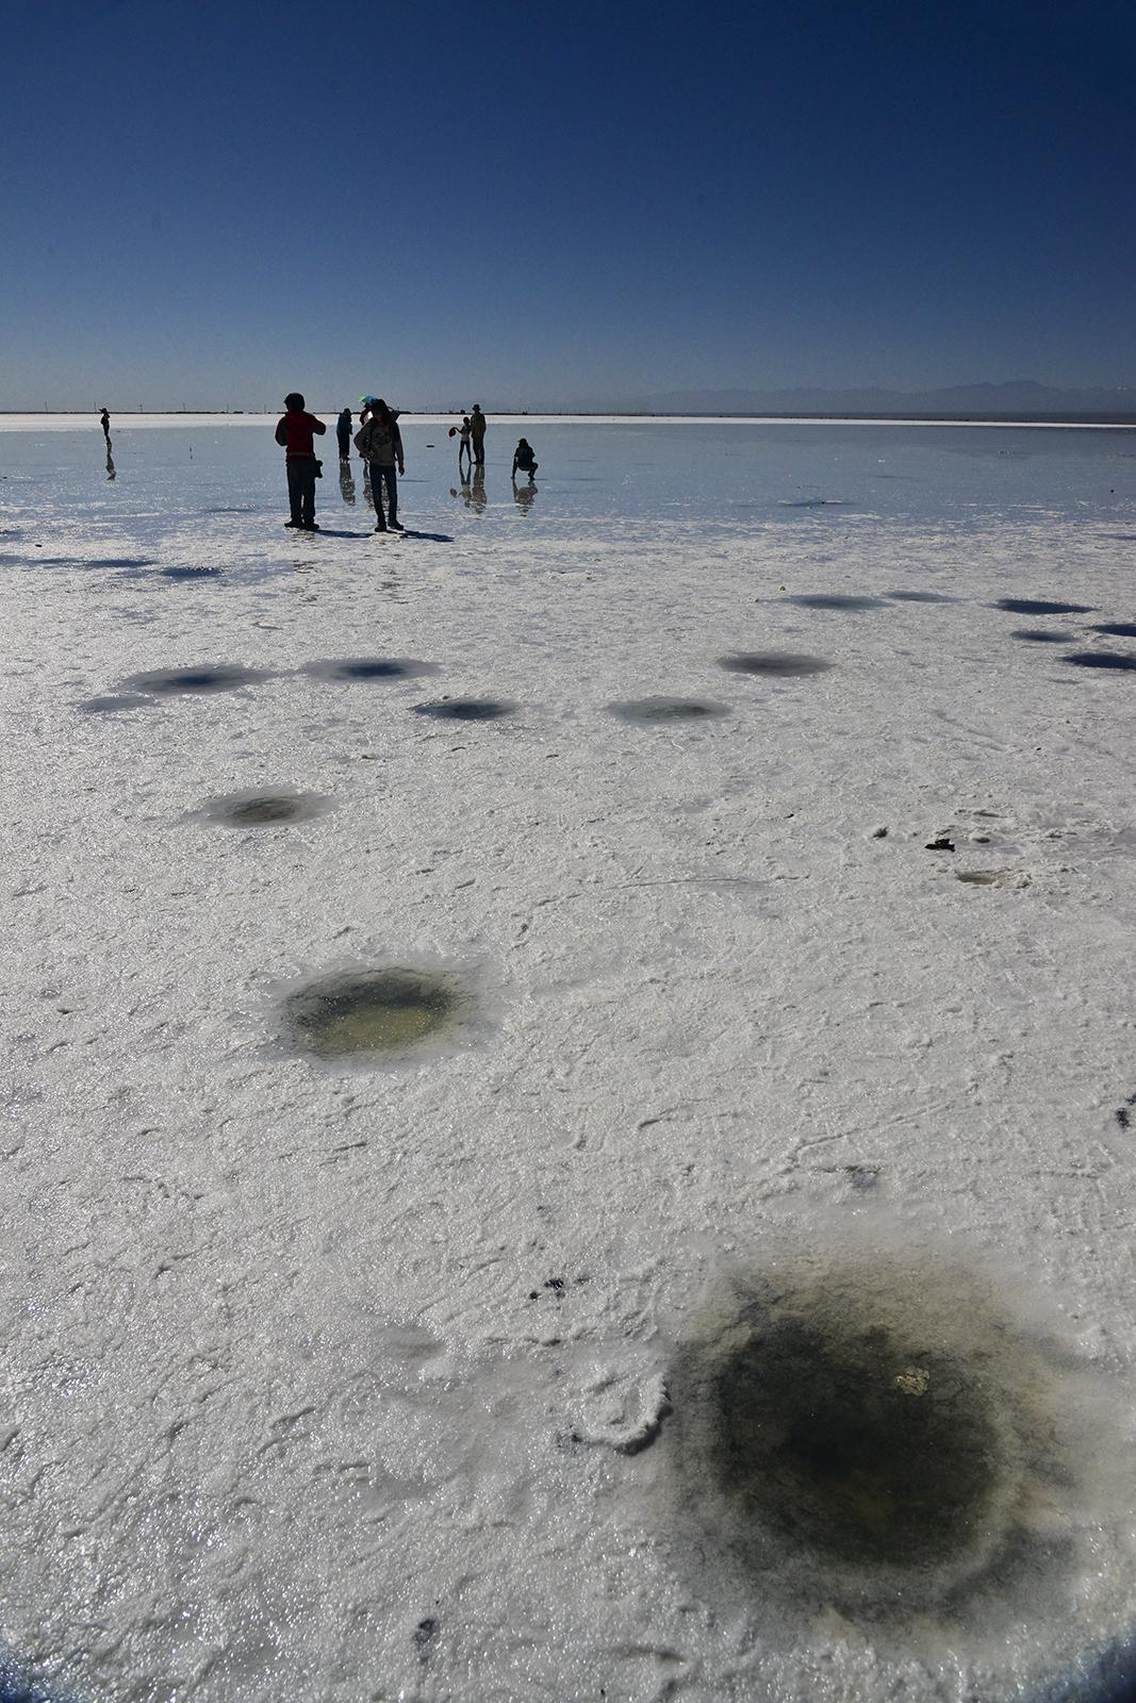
{"x":410,"y":1378}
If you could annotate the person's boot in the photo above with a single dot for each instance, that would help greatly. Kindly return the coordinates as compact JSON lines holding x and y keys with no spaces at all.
{"x":294,"y":523}
{"x":394,"y":525}
{"x":382,"y":525}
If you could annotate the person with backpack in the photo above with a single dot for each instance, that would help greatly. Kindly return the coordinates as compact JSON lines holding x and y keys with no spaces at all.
{"x":379,"y":442}
{"x":295,"y":431}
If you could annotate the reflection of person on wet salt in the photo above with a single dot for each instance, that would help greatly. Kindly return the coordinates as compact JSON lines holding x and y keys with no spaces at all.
{"x":523,"y":495}
{"x":111,"y":470}
{"x":477,"y":489}
{"x":346,"y":480}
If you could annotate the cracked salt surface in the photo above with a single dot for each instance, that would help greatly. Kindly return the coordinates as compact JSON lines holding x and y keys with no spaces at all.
{"x":339,"y":1377}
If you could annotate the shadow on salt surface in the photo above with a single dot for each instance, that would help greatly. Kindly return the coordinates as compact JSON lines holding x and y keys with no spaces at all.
{"x":1042,"y":636}
{"x":363,"y":668}
{"x":817,"y":503}
{"x":209,"y":677}
{"x":1117,"y":629}
{"x":666,"y":709}
{"x":383,"y":1015}
{"x":263,"y":809}
{"x":1038,"y":606}
{"x":835,"y":600}
{"x":783,"y":664}
{"x":191,"y":573}
{"x":1101,"y":659}
{"x":878,"y":1438}
{"x":467,"y":709}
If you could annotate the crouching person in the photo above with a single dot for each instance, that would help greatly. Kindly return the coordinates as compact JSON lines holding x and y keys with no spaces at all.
{"x":295,"y":431}
{"x":524,"y":461}
{"x":380,"y":443}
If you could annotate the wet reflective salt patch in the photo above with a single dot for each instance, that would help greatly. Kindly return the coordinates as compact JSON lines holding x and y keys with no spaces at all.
{"x":666,"y":709}
{"x":377,"y":1013}
{"x":1107,"y":1676}
{"x":264,"y":809}
{"x":1117,"y":629}
{"x":207,"y":677}
{"x":836,"y":601}
{"x":1038,"y":606}
{"x":1101,"y":659}
{"x":921,"y":597}
{"x":1042,"y":636}
{"x":112,"y":705}
{"x":365,"y":668}
{"x":784,"y":664}
{"x":467,"y":709}
{"x":17,"y":1686}
{"x":882,"y":1438}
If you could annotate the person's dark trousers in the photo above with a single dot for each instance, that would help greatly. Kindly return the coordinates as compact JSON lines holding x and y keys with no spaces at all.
{"x":344,"y":445}
{"x":381,"y":476}
{"x":302,"y":489}
{"x":479,"y":452}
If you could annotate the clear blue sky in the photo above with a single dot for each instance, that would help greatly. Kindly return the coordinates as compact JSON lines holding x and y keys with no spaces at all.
{"x":209,"y":202}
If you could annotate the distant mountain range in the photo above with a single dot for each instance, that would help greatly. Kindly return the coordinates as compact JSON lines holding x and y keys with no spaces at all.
{"x":1020,"y":399}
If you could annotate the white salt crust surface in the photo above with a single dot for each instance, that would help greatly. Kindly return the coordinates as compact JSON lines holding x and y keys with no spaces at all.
{"x":274,"y":1387}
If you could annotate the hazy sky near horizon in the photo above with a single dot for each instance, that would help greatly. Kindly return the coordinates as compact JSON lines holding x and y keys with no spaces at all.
{"x":210,"y":204}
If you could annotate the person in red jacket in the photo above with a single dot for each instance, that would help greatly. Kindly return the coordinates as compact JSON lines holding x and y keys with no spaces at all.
{"x":294,"y":431}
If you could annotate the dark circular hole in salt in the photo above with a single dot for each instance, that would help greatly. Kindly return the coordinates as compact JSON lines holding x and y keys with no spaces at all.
{"x":1037,"y":606}
{"x":1118,"y":629}
{"x":1041,"y":636}
{"x":212,"y":677}
{"x":371,"y":1011}
{"x":854,"y":1441}
{"x":466,"y":709}
{"x":1101,"y":659}
{"x":363,"y":668}
{"x":835,"y":600}
{"x":666,"y":709}
{"x":783,"y":663}
{"x":264,"y":809}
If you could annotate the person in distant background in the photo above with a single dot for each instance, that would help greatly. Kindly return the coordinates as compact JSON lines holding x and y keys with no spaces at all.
{"x":295,"y":431}
{"x":104,"y":422}
{"x":379,"y":442}
{"x":477,"y":424}
{"x":343,"y":433}
{"x":524,"y":460}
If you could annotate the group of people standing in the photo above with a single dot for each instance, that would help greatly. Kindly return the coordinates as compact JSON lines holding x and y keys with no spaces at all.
{"x":379,"y":442}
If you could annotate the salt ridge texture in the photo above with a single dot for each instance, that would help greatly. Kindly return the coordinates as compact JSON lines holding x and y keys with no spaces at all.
{"x":344,"y":1383}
